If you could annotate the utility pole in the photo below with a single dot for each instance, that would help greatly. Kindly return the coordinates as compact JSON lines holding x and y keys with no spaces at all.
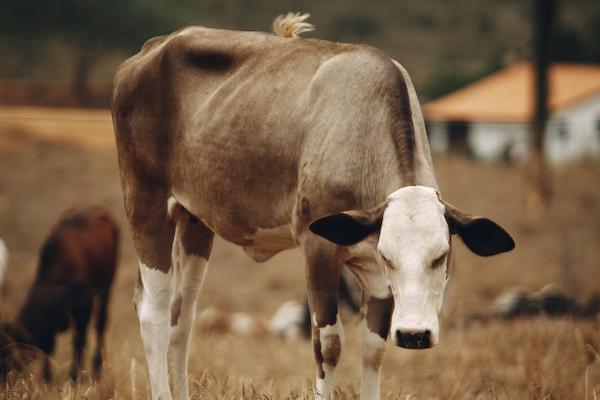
{"x":540,"y":186}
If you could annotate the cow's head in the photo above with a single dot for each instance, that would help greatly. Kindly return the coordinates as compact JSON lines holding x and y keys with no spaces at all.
{"x":414,"y":227}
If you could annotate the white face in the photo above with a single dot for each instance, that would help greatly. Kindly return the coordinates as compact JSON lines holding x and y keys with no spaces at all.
{"x":413,"y":246}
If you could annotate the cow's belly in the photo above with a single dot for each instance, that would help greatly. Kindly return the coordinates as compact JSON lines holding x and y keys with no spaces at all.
{"x":266,"y":242}
{"x":235,"y":164}
{"x":262,"y":229}
{"x":241,"y":183}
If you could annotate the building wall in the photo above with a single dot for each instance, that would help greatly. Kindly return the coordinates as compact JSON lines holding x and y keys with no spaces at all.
{"x":497,"y":141}
{"x":438,"y":137}
{"x":572,"y":133}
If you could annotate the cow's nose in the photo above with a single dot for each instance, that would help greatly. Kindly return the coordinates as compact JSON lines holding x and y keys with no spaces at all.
{"x":412,"y":339}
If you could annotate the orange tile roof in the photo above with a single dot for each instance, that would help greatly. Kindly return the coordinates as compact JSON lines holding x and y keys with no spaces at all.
{"x":507,"y":96}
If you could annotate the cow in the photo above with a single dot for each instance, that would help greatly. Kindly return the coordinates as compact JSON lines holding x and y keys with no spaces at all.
{"x":551,"y":300}
{"x":274,"y":142}
{"x":76,"y":268}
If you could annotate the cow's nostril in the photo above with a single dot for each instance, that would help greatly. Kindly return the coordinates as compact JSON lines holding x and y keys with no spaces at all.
{"x":399,"y":338}
{"x":414,"y":339}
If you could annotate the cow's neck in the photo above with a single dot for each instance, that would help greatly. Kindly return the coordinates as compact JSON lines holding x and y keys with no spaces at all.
{"x":402,"y":139}
{"x":396,"y":158}
{"x":409,"y":133}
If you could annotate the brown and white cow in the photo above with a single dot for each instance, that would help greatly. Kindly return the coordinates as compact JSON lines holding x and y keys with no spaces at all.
{"x":76,"y":269}
{"x":275,"y":142}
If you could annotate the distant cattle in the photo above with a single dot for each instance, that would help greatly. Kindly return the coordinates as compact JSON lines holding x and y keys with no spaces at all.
{"x":551,"y":300}
{"x":213,"y":320}
{"x":76,"y":269}
{"x":292,"y":319}
{"x":290,"y":322}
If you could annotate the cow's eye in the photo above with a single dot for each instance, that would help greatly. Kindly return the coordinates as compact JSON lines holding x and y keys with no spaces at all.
{"x":438,"y":261}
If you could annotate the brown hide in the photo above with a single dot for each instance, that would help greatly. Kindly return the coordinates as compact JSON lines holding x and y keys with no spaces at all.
{"x":76,"y":268}
{"x":250,"y":132}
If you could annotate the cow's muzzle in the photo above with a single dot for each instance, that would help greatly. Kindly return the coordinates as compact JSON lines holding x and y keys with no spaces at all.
{"x":413,"y":339}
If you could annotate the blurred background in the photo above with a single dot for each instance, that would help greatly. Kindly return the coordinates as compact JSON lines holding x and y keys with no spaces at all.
{"x":64,"y":52}
{"x":511,"y":95}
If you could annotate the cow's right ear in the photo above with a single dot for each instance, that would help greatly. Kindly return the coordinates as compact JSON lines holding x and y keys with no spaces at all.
{"x":349,"y":227}
{"x":482,"y":236}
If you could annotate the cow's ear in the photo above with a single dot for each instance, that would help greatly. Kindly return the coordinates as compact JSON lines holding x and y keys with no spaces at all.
{"x":482,"y":236}
{"x":349,"y":227}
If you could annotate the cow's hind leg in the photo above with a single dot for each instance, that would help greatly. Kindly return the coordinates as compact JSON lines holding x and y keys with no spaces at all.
{"x":191,"y":249}
{"x":323,"y":278}
{"x":153,"y":238}
{"x":153,"y":293}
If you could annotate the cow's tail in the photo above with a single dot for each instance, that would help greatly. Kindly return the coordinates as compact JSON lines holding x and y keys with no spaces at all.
{"x":292,"y":24}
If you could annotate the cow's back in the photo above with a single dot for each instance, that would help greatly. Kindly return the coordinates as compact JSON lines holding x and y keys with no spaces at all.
{"x":192,"y":82}
{"x":217,"y":114}
{"x":81,"y":250}
{"x":227,"y":123}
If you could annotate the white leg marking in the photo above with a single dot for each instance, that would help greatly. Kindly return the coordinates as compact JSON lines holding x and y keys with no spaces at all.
{"x":373,"y":347}
{"x":171,"y":204}
{"x":325,"y":386}
{"x":329,"y":335}
{"x":153,"y":313}
{"x":188,"y":276}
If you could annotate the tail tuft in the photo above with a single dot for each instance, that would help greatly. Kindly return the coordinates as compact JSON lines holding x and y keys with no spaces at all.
{"x":292,"y":24}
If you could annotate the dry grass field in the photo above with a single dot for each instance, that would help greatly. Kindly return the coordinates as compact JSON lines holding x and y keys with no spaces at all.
{"x":53,"y":159}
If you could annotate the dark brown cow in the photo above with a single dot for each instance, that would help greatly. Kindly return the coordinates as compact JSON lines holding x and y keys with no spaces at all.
{"x":76,"y":269}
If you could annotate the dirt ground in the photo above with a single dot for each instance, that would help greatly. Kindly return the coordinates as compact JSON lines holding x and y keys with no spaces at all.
{"x":52,"y":159}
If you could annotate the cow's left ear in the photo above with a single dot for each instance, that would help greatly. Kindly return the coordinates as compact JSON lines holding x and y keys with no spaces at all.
{"x":482,"y":236}
{"x":349,"y":227}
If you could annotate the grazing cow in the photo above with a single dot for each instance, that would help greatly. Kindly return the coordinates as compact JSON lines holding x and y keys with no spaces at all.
{"x":275,"y":142}
{"x":551,"y":300}
{"x":76,"y":269}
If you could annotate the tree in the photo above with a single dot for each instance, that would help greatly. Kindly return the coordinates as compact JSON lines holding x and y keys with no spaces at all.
{"x":89,"y":27}
{"x":540,"y":189}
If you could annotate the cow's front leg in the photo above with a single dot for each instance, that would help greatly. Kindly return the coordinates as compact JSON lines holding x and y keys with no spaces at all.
{"x":327,"y":333}
{"x":375,"y":327}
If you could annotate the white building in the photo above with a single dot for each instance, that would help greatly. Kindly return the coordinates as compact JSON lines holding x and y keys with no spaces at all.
{"x":489,"y":119}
